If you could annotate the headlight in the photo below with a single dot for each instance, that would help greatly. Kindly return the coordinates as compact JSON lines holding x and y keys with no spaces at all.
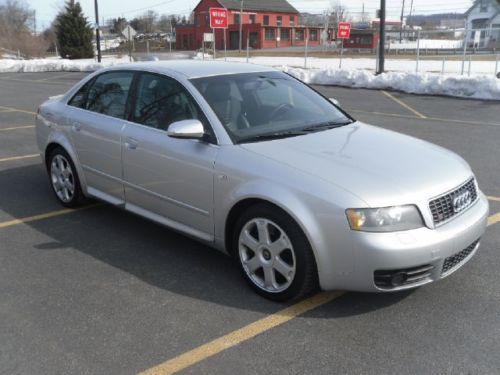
{"x":387,"y":219}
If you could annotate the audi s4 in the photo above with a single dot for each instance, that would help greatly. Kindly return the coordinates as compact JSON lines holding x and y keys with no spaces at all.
{"x":259,"y":165}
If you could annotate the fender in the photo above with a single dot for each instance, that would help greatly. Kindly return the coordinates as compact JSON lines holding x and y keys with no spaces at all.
{"x":60,"y":138}
{"x":278,"y":195}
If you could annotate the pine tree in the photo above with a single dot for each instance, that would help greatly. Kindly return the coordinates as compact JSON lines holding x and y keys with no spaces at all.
{"x":74,"y":34}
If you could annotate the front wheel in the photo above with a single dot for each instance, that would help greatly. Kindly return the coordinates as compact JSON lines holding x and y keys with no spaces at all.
{"x":274,"y":253}
{"x":64,"y":179}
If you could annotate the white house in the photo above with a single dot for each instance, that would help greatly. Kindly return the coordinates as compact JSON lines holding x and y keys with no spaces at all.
{"x":484,"y":14}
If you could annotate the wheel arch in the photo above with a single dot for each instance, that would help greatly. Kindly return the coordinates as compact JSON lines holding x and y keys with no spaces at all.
{"x":62,"y":142}
{"x":296,"y":210}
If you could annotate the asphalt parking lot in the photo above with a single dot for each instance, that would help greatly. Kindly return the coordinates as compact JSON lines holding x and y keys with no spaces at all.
{"x":101,"y":291}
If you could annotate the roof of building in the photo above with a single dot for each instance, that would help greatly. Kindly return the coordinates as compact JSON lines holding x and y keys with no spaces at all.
{"x":477,"y":2}
{"x":281,"y":6}
{"x":195,"y":68}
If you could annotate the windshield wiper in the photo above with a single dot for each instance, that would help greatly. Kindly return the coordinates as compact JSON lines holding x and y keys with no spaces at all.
{"x":325,"y":126}
{"x":271,"y":136}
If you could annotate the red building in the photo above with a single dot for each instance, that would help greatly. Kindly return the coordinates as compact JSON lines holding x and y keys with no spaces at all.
{"x":266,"y":24}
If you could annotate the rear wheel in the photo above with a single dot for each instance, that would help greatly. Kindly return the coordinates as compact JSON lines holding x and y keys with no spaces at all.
{"x":274,"y":254}
{"x":64,"y":179}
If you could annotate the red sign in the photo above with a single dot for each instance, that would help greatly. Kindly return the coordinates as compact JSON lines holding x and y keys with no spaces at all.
{"x":344,"y":30}
{"x":218,"y":18}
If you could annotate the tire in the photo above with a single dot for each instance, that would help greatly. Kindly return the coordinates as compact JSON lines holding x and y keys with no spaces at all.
{"x":64,"y":179}
{"x":274,"y":254}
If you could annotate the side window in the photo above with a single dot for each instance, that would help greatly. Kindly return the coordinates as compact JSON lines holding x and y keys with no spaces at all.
{"x":108,"y":95}
{"x":80,"y":98}
{"x":161,"y":101}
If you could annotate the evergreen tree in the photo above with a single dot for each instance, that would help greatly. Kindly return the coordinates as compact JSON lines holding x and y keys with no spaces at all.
{"x":74,"y":34}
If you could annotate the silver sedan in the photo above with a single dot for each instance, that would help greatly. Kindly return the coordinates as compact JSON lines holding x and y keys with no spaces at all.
{"x":257,"y":164}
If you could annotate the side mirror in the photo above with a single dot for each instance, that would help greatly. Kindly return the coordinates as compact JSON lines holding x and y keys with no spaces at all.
{"x":334,"y":101}
{"x":187,"y":129}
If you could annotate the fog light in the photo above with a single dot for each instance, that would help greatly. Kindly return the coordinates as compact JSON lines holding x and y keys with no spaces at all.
{"x":399,"y":278}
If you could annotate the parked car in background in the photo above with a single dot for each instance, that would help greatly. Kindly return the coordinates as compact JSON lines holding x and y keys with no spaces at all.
{"x":257,"y":164}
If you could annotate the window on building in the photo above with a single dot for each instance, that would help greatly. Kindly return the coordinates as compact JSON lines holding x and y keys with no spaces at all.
{"x":270,"y":33}
{"x":285,"y":34}
{"x":279,"y":20}
{"x":237,"y":18}
{"x":483,"y":6}
{"x":292,"y":20}
{"x":252,"y":18}
{"x":299,"y":34}
{"x":266,"y":20}
{"x":207,"y":19}
{"x":313,"y":35}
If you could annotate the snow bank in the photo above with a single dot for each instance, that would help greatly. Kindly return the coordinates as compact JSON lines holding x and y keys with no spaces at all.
{"x":58,"y":65}
{"x":478,"y":87}
{"x":428,"y":43}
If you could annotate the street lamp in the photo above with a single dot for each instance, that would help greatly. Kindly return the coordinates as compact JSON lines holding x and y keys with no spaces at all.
{"x":241,"y":22}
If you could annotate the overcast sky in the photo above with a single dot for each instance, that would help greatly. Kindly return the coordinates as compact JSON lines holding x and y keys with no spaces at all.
{"x":47,"y":9}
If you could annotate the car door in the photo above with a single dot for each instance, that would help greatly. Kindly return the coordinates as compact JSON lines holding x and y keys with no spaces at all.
{"x":167,"y":179}
{"x":96,"y":118}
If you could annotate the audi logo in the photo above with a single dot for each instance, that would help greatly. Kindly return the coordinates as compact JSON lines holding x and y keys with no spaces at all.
{"x":462,"y":201}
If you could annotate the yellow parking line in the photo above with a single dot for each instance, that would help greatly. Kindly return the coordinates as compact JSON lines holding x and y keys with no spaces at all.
{"x":236,"y":337}
{"x":17,"y":110}
{"x":47,"y":215}
{"x":402,"y":104}
{"x":17,"y":127}
{"x":491,"y":198}
{"x":20,"y":157}
{"x":493,"y":219}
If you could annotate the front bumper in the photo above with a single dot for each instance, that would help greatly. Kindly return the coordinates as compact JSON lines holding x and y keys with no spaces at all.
{"x":428,"y":249}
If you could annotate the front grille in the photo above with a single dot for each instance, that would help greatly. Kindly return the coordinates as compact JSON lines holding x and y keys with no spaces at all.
{"x":442,"y":207}
{"x":408,"y":276}
{"x":455,"y":260}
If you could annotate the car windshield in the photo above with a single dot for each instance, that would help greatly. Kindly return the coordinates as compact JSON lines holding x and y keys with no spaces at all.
{"x":270,"y":105}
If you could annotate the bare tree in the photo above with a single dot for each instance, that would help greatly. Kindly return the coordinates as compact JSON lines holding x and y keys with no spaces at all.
{"x":15,"y":33}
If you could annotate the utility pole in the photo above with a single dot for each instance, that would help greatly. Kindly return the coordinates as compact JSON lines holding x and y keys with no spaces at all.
{"x":97,"y":36}
{"x":381,"y":49}
{"x":241,"y":22}
{"x":363,"y":13}
{"x":402,"y":17}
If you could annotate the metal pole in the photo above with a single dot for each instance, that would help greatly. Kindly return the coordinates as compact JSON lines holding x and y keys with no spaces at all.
{"x":418,"y":51}
{"x":381,"y":49}
{"x":465,"y":50}
{"x":225,"y":48}
{"x":129,"y":45}
{"x":442,"y":67}
{"x":97,"y":36}
{"x":213,"y":34}
{"x":248,"y":46}
{"x":341,"y":53}
{"x":305,"y":56}
{"x":401,"y":29}
{"x":470,"y":65}
{"x":241,"y":22}
{"x":496,"y":65}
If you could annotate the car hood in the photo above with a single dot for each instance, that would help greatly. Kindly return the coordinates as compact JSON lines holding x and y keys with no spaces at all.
{"x":379,"y":166}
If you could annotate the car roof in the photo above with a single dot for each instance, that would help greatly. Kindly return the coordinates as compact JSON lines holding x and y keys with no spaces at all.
{"x":196,"y":68}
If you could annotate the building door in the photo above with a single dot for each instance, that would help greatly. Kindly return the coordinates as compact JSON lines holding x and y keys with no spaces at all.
{"x":234,"y":39}
{"x":254,"y":40}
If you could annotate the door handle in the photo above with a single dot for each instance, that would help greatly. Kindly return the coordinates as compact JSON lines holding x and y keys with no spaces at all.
{"x":77,"y":126}
{"x":131,"y":143}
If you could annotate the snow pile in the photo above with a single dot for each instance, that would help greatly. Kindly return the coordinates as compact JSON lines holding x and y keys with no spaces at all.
{"x":478,"y":87}
{"x":58,"y":65}
{"x":391,"y":65}
{"x":428,"y":43}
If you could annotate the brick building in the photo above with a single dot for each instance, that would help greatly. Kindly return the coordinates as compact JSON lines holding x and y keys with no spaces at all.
{"x":266,"y":24}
